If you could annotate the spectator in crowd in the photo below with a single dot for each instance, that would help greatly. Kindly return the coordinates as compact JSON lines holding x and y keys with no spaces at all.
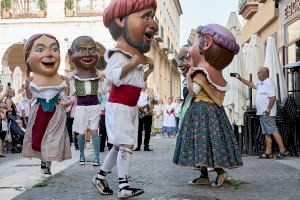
{"x":11,"y":110}
{"x":102,"y":126}
{"x":2,"y":96}
{"x":24,"y":107}
{"x":169,"y":123}
{"x":158,"y":115}
{"x":145,"y":105}
{"x":177,"y":111}
{"x":3,"y":130}
{"x":266,"y":110}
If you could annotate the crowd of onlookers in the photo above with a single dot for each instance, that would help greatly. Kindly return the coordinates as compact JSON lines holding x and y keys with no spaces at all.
{"x":166,"y":116}
{"x":13,"y":121}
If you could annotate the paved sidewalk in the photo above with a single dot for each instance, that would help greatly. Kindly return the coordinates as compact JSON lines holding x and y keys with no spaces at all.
{"x":162,"y":180}
{"x":18,"y":174}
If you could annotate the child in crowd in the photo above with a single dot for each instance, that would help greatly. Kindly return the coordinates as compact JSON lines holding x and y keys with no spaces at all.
{"x":169,"y":124}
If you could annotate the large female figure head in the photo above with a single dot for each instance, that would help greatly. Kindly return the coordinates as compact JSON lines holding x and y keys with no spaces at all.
{"x":216,"y":45}
{"x":42,"y":54}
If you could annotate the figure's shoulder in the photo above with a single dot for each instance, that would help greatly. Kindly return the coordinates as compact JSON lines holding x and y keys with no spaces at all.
{"x":202,"y":76}
{"x":116,"y":53}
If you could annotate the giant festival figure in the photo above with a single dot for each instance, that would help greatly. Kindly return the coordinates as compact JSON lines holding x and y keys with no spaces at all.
{"x":87,"y":85}
{"x":46,"y":136}
{"x":131,"y":24}
{"x":206,"y":139}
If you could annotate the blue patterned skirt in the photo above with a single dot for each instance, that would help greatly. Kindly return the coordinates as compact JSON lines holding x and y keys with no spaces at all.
{"x":206,"y":138}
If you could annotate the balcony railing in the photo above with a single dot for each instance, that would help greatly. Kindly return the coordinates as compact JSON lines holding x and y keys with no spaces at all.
{"x":24,"y":9}
{"x":84,"y":8}
{"x":248,"y":8}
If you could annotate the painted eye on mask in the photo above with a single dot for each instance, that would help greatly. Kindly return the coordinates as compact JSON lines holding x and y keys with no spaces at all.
{"x":40,"y":49}
{"x":80,"y":50}
{"x":93,"y":51}
{"x":55,"y":49}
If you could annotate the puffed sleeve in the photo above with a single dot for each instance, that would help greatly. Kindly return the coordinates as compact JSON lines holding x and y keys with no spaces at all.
{"x":114,"y":68}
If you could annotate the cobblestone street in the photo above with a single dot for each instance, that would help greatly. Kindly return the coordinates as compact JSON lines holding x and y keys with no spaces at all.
{"x":162,"y":180}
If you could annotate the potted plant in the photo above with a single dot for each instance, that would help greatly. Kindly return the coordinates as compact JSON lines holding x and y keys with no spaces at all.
{"x":42,"y":8}
{"x":5,"y":7}
{"x":69,"y":6}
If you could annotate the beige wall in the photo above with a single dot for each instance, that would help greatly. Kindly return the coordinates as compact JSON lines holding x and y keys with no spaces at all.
{"x":265,"y":23}
{"x":272,"y":29}
{"x":168,"y":14}
{"x":261,"y":20}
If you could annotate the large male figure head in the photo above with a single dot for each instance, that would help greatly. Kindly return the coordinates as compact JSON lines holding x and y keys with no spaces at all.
{"x":84,"y":54}
{"x":131,"y":22}
{"x":184,"y":58}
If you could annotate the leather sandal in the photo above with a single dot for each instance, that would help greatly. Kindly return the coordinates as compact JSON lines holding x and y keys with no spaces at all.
{"x":220,"y":179}
{"x":282,"y":155}
{"x":265,"y":156}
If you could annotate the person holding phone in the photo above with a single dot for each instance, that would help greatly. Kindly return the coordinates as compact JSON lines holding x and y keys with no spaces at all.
{"x":266,"y":110}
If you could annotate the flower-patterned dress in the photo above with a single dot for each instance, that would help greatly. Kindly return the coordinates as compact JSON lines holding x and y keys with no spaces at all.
{"x":206,"y":137}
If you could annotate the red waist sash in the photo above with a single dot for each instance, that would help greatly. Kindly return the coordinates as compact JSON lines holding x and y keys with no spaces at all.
{"x":124,"y":94}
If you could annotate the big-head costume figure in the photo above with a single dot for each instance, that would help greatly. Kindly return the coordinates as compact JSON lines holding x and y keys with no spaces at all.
{"x":131,"y":24}
{"x":184,"y":65}
{"x":206,"y":138}
{"x":87,"y":85}
{"x":46,"y":136}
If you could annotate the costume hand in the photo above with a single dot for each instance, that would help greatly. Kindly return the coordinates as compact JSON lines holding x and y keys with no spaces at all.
{"x":191,"y":71}
{"x":136,"y":60}
{"x":150,"y":62}
{"x":65,"y":79}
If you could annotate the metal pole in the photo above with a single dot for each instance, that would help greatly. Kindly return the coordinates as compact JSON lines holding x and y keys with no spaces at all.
{"x":250,"y":91}
{"x":278,"y":88}
{"x":171,"y":77}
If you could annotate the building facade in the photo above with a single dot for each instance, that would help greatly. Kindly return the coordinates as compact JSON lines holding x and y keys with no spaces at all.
{"x":260,"y":17}
{"x":68,"y":19}
{"x":165,"y":80}
{"x":280,"y":18}
{"x":289,"y":25}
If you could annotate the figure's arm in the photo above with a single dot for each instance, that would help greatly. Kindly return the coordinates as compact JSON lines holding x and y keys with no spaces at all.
{"x":67,"y":80}
{"x":193,"y":87}
{"x":151,"y":68}
{"x":246,"y":82}
{"x":134,"y":61}
{"x":118,"y":67}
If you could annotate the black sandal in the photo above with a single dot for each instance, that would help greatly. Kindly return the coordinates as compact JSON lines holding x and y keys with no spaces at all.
{"x":265,"y":156}
{"x":282,"y":155}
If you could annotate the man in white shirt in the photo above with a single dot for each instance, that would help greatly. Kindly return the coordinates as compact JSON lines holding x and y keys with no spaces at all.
{"x":145,"y":118}
{"x":266,"y":110}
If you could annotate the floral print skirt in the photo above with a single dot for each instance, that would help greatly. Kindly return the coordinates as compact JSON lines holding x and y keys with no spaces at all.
{"x":206,"y":138}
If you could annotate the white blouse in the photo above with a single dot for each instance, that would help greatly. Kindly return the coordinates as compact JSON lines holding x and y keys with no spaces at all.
{"x":197,"y":87}
{"x":116,"y":62}
{"x":48,"y":92}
